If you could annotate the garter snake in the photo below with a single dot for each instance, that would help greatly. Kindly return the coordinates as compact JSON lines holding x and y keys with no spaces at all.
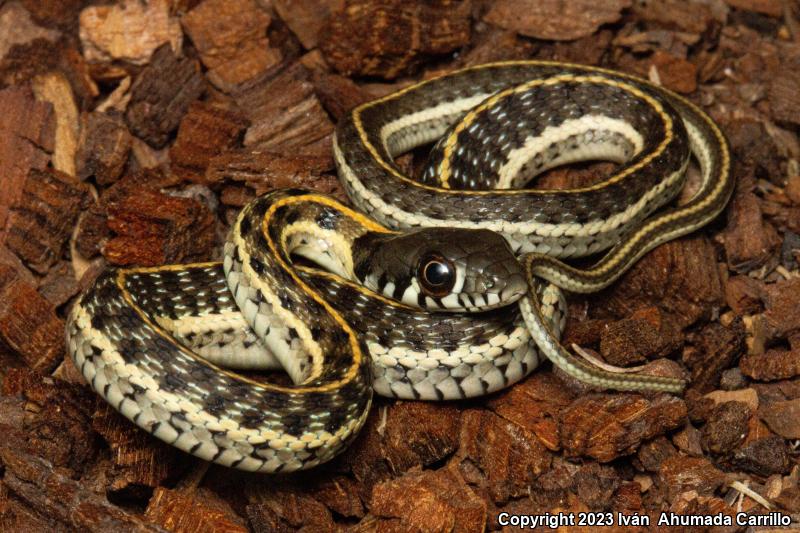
{"x":386,"y":311}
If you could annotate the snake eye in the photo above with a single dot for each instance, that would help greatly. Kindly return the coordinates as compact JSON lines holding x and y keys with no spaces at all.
{"x":437,"y":275}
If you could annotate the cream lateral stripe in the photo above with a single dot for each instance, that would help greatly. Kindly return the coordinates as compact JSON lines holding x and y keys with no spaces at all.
{"x":120,"y":282}
{"x":516,"y":158}
{"x":445,"y":172}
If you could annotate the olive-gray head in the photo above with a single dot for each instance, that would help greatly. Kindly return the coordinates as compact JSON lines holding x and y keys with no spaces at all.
{"x":448,"y":269}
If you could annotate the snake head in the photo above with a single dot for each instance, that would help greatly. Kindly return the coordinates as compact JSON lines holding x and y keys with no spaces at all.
{"x":442,"y":269}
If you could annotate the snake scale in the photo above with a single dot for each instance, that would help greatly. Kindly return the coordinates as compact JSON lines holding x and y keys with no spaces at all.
{"x":443,"y":287}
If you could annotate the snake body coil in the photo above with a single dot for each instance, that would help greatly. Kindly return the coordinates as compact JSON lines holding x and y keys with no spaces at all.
{"x":388,"y":311}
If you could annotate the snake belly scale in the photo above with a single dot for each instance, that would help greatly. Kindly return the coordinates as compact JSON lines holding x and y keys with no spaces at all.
{"x":389,"y":311}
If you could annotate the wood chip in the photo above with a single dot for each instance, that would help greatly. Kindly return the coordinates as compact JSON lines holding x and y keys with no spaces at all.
{"x":693,"y":17}
{"x":389,"y":38}
{"x":726,"y":427}
{"x":674,"y":73}
{"x":400,"y":437}
{"x":28,"y":323}
{"x":16,"y":27}
{"x":553,"y":19}
{"x":54,"y":87}
{"x":141,"y":462}
{"x":682,"y":474}
{"x":747,"y":396}
{"x":41,"y":221}
{"x":153,"y":228}
{"x":429,"y":500}
{"x":783,"y":97}
{"x":772,"y":365}
{"x":27,"y":136}
{"x":749,"y":240}
{"x":773,"y":8}
{"x":161,"y":95}
{"x":716,"y":348}
{"x":534,"y":405}
{"x":189,"y":511}
{"x":782,"y":417}
{"x":129,"y":31}
{"x":286,"y":115}
{"x":680,"y":278}
{"x":103,"y":148}
{"x":232,"y":40}
{"x":763,"y":457}
{"x":508,"y":456}
{"x":607,"y":426}
{"x":307,"y":17}
{"x":205,"y":132}
{"x":57,"y":423}
{"x":52,"y":493}
{"x":264,"y":171}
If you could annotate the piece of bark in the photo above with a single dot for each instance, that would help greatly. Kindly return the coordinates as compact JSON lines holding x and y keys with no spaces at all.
{"x":27,"y":137}
{"x":231,"y":36}
{"x":783,"y":98}
{"x":284,"y":511}
{"x":495,"y":44}
{"x":674,"y":73}
{"x":763,"y":457}
{"x":692,"y":17}
{"x":57,"y":424}
{"x":596,"y":484}
{"x":400,"y":437}
{"x":391,"y":37}
{"x":192,"y":511}
{"x":499,"y":456}
{"x":654,"y":452}
{"x":17,"y":27}
{"x":428,"y":500}
{"x":688,"y":440}
{"x":103,"y":147}
{"x":782,"y":314}
{"x":773,"y":365}
{"x":40,"y":222}
{"x":743,"y":294}
{"x":682,"y":474}
{"x":28,"y":323}
{"x":552,"y":19}
{"x":749,"y":241}
{"x":337,"y":94}
{"x":782,"y":417}
{"x":680,"y":277}
{"x":153,"y":228}
{"x":286,"y":116}
{"x":52,"y":493}
{"x":141,"y":462}
{"x":93,"y":230}
{"x":726,"y":427}
{"x":716,"y":348}
{"x":534,"y":405}
{"x":732,"y":380}
{"x":53,"y":87}
{"x":129,"y":31}
{"x":773,"y":8}
{"x":746,"y":396}
{"x":161,"y":95}
{"x":205,"y":131}
{"x":264,"y":171}
{"x":635,"y":340}
{"x":306,"y":17}
{"x":607,"y":426}
{"x":59,"y":284}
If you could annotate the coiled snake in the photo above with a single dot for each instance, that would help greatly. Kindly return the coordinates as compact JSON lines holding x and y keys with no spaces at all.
{"x":389,"y":310}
